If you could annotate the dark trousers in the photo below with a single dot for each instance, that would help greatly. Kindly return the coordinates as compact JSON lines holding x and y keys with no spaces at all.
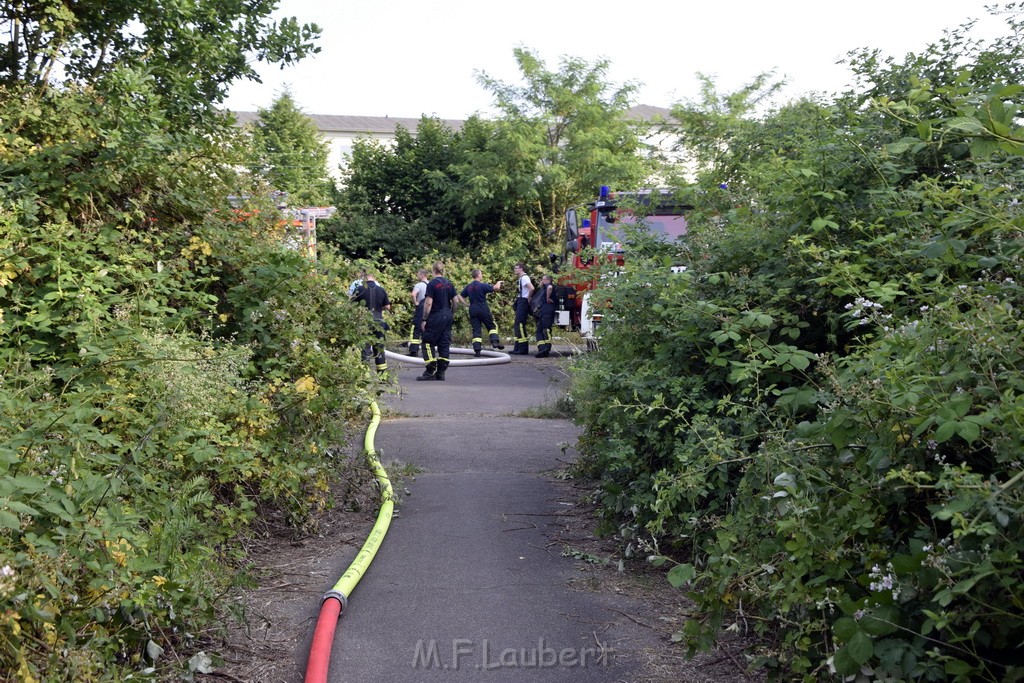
{"x":437,"y":341}
{"x":376,"y":349}
{"x":544,"y":324}
{"x":414,"y":333}
{"x":480,"y":319}
{"x":519,"y":326}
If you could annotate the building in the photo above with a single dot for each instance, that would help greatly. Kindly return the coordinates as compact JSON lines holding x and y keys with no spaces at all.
{"x":341,"y":132}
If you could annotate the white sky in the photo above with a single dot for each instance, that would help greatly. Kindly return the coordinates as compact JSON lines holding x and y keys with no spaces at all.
{"x":406,"y":58}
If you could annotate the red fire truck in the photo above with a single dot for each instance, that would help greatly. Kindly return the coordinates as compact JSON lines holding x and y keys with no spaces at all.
{"x":598,"y":232}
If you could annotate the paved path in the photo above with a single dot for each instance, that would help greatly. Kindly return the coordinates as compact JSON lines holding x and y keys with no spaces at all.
{"x":468,"y":585}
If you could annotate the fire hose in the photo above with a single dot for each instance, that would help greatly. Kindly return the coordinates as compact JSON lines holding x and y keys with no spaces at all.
{"x":487,"y":357}
{"x":336,"y":599}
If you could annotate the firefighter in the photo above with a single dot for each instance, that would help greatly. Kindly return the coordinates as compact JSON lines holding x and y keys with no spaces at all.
{"x":524,"y":290}
{"x":419,"y":290}
{"x":438,"y":306}
{"x":480,"y":317}
{"x":376,"y":300}
{"x":546,"y":317}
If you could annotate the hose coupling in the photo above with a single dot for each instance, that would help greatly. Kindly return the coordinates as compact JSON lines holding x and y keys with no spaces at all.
{"x":338,"y":595}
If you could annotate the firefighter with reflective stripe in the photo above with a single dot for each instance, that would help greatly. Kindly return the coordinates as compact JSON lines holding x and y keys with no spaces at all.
{"x":523,"y":293}
{"x":546,"y":317}
{"x":376,"y":300}
{"x":480,"y":317}
{"x":438,"y":307}
{"x":419,"y":291}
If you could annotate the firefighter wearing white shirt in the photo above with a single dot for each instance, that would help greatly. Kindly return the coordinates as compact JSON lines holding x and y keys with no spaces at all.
{"x":418,"y":293}
{"x":523,"y":294}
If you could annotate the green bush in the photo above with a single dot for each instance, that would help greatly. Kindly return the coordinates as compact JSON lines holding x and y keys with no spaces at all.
{"x":818,"y":425}
{"x":167,"y":369}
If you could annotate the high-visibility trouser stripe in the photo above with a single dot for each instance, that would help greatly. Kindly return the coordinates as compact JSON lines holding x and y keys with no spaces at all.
{"x":412,"y":335}
{"x":494,"y":332}
{"x":477,"y":340}
{"x":519,"y":330}
{"x":442,"y":359}
{"x":430,"y":353}
{"x":382,"y":366}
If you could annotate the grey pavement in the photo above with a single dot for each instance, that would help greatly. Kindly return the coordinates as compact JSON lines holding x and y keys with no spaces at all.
{"x":469,"y":583}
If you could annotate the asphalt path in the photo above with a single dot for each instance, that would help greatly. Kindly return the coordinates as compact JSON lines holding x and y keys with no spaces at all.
{"x":468,"y":584}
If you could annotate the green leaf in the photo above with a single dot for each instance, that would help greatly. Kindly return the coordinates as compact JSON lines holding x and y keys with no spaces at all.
{"x":860,"y":647}
{"x":680,"y":574}
{"x":844,"y":628}
{"x":881,"y":622}
{"x":958,"y":667}
{"x":966,"y":125}
{"x":799,"y":362}
{"x":9,"y":521}
{"x":935,"y":249}
{"x":968,"y":431}
{"x":982,"y":148}
{"x":945,"y":431}
{"x":844,"y":663}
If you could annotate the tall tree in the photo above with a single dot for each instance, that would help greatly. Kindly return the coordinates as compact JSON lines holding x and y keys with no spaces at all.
{"x":571,"y":125}
{"x":288,"y":152}
{"x":191,"y":50}
{"x":402,"y":197}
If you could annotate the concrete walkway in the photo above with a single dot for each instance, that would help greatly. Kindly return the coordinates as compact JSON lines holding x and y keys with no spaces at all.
{"x":469,"y":584}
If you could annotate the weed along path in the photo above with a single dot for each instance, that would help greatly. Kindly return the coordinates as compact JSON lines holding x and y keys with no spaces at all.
{"x":478,"y":578}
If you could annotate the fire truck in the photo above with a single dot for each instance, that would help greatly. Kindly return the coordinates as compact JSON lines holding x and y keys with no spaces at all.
{"x":596,"y":234}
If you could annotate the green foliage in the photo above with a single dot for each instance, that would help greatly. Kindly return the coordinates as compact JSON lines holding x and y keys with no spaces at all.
{"x":407,"y":198}
{"x":191,"y":51}
{"x":167,"y":368}
{"x":820,"y":420}
{"x":570,"y":127}
{"x":288,"y":153}
{"x":561,"y":135}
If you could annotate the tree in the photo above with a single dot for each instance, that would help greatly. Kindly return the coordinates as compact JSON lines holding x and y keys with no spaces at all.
{"x":841,"y":362}
{"x":560,"y":136}
{"x":568,"y":133}
{"x":154,"y":346}
{"x":718,"y":132}
{"x":287,"y":151}
{"x":191,"y":50}
{"x":403,"y":197}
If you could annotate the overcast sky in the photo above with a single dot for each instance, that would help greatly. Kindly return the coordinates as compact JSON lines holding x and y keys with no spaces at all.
{"x":406,"y":58}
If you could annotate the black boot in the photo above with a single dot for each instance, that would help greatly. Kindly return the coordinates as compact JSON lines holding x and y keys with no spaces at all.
{"x":414,"y":350}
{"x":429,"y":373}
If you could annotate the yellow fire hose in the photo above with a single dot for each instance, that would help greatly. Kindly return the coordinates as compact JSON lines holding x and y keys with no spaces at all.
{"x":336,"y":599}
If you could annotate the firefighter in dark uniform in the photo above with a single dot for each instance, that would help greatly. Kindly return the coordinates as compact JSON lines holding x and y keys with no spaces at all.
{"x":524,"y":290}
{"x":480,"y":317}
{"x":376,"y":299}
{"x":546,"y":317}
{"x":417,"y":294}
{"x":438,"y":306}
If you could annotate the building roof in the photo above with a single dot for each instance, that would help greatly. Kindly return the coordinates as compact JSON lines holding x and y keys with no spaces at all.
{"x":648,"y":112}
{"x":330,"y":123}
